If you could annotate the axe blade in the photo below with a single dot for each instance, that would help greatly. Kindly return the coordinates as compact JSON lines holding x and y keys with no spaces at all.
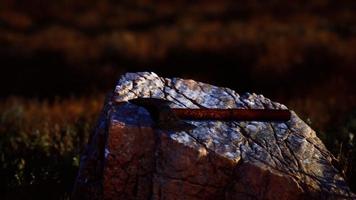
{"x":162,"y":115}
{"x":171,"y":118}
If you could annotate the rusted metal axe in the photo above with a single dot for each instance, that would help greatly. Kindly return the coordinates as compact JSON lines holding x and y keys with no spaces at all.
{"x":169,"y":118}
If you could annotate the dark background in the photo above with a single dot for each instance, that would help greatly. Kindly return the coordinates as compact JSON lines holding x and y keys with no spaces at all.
{"x":289,"y":51}
{"x":58,"y":60}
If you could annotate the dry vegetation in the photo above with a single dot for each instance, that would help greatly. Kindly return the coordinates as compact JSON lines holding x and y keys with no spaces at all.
{"x":41,"y":141}
{"x":301,"y":54}
{"x":40,"y":144}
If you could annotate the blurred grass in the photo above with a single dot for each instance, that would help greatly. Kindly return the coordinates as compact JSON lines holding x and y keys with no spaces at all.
{"x":269,"y":42}
{"x":40,"y":144}
{"x":299,"y":53}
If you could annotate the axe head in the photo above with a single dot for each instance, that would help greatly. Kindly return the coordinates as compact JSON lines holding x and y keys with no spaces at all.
{"x":162,"y":115}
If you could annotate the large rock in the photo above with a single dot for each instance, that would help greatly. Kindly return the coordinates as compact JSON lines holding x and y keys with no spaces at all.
{"x":128,"y":159}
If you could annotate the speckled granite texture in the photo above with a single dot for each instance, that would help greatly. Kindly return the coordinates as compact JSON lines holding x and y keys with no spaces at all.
{"x":127,"y":159}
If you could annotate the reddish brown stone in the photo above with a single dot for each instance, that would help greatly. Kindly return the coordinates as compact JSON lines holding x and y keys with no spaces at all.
{"x":127,"y":158}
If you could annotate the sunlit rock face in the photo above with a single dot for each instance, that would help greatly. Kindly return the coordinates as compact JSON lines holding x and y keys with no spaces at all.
{"x":127,"y":158}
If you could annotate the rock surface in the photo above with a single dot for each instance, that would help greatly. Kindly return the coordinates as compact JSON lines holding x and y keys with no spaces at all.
{"x":128,"y":159}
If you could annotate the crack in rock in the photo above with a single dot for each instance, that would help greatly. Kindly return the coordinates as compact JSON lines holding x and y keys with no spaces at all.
{"x":216,"y":160}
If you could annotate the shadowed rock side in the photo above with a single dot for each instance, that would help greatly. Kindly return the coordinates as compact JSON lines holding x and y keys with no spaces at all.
{"x":127,"y":159}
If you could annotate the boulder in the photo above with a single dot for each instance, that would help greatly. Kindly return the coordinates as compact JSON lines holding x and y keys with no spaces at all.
{"x":127,"y":158}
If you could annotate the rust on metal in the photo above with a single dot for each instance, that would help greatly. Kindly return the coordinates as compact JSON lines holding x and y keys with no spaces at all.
{"x":160,"y":111}
{"x":232,"y":114}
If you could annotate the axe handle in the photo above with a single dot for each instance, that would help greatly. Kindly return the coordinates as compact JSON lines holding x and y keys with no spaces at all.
{"x":232,"y":114}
